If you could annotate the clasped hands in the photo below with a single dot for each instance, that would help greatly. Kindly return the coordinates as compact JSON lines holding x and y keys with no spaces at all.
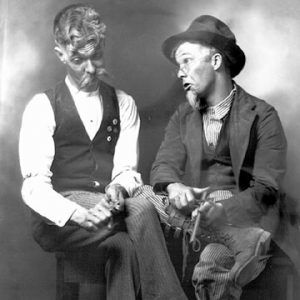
{"x":186,"y":199}
{"x":101,"y":214}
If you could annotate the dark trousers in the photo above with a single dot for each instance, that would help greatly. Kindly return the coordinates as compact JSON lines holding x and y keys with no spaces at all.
{"x":135,"y":244}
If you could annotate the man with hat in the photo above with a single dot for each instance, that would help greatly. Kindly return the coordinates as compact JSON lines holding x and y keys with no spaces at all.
{"x":78,"y":155}
{"x":233,"y":146}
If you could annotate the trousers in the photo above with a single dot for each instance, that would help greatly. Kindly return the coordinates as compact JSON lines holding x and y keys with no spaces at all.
{"x":133,"y":252}
{"x":231,"y":259}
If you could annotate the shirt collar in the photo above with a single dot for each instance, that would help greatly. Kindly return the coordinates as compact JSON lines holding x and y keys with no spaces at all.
{"x":220,"y":110}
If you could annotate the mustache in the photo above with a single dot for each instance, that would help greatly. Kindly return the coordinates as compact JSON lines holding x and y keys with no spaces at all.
{"x":100,"y":74}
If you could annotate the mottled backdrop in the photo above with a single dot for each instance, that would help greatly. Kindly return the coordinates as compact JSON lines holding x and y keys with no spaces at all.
{"x":268,"y":31}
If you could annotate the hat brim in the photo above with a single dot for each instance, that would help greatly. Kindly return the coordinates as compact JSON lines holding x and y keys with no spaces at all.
{"x":231,"y":50}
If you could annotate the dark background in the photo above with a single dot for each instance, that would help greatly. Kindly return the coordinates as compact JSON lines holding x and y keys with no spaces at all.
{"x":268,"y":32}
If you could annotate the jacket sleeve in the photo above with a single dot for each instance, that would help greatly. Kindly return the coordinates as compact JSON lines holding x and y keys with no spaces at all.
{"x":170,"y":161}
{"x":269,"y":165}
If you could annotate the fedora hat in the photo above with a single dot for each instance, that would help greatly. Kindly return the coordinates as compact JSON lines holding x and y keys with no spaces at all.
{"x":213,"y":32}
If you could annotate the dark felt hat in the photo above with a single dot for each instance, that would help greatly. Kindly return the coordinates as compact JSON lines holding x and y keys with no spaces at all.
{"x":213,"y":32}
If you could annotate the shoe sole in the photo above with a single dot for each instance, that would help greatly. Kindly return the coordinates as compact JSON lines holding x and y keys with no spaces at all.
{"x":242,"y":275}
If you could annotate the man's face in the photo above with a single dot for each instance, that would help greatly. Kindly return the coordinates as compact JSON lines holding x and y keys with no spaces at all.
{"x":84,"y":65}
{"x":195,"y":70}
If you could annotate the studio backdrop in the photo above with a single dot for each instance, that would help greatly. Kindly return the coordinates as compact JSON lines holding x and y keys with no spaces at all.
{"x":268,"y":32}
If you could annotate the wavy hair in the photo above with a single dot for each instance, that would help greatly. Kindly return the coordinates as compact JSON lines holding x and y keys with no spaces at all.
{"x":77,"y":25}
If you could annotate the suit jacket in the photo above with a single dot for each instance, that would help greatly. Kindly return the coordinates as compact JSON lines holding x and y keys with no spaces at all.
{"x":258,"y":152}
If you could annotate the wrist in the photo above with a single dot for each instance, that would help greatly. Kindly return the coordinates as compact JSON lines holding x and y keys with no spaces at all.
{"x":78,"y":215}
{"x":173,"y":185}
{"x":161,"y":188}
{"x":117,"y":187}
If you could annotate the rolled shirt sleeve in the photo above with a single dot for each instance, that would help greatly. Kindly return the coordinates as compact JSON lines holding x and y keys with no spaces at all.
{"x":36,"y":151}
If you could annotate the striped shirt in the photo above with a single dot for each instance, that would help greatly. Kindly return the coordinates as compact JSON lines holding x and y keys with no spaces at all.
{"x":213,"y":119}
{"x":212,"y":123}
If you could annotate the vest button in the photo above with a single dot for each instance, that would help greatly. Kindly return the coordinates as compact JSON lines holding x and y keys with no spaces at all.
{"x":108,"y":138}
{"x":115,"y":121}
{"x":96,"y":184}
{"x":109,"y":128}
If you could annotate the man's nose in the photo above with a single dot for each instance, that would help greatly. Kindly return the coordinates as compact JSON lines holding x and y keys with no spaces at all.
{"x":90,"y":67}
{"x":181,"y":73}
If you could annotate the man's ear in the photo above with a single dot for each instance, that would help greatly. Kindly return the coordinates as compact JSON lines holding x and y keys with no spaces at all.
{"x":60,"y":54}
{"x":216,"y":61}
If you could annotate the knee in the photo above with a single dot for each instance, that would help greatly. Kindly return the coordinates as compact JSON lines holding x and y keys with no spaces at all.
{"x":139,"y":205}
{"x":219,"y":254}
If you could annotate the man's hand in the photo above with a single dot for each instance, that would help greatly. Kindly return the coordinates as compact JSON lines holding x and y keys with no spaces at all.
{"x":184,"y":197}
{"x":212,"y":214}
{"x":93,"y":218}
{"x":116,"y":194}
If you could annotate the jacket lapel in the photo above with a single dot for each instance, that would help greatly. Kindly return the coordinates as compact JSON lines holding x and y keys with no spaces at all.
{"x":242,"y":116}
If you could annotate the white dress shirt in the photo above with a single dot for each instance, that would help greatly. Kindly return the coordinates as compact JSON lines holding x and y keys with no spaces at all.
{"x":36,"y":149}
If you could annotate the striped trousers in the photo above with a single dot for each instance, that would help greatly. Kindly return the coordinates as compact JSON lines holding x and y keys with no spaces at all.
{"x":132,"y":253}
{"x":226,"y":264}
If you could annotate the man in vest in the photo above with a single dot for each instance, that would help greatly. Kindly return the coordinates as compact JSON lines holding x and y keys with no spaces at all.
{"x":229,"y":142}
{"x":79,"y":155}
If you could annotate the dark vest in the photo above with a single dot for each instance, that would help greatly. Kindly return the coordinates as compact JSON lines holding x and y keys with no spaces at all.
{"x":80,"y":163}
{"x":216,"y":165}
